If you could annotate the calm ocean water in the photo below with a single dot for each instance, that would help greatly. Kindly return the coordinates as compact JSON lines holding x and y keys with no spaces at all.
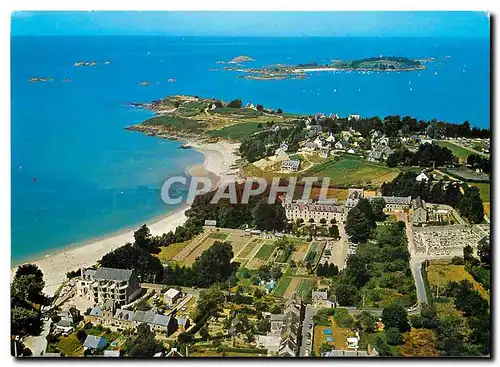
{"x":93,"y":177}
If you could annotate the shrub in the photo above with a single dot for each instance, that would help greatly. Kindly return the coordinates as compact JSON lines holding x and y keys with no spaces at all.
{"x":235,"y":103}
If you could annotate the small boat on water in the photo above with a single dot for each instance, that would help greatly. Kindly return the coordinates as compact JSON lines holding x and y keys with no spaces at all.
{"x":186,"y":146}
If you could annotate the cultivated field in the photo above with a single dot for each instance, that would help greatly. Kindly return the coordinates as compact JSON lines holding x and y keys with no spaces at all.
{"x":189,"y":252}
{"x":349,"y":171}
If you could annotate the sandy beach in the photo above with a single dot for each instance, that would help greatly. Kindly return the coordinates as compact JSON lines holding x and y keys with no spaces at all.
{"x":219,"y":158}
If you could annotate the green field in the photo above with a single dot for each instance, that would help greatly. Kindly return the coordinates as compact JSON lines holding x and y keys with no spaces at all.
{"x":219,"y":235}
{"x":265,"y":252}
{"x":237,"y":131}
{"x":353,"y":171}
{"x":246,"y":112}
{"x":305,"y":288}
{"x":461,"y":153}
{"x":283,"y":284}
{"x":174,"y":122}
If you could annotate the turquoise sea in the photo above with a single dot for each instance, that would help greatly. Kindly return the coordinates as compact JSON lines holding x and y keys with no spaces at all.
{"x":77,"y":174}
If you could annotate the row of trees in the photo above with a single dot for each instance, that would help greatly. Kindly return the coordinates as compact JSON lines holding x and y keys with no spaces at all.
{"x":427,"y":155}
{"x":327,"y":270}
{"x":394,"y":125}
{"x":257,"y":213}
{"x":405,"y":184}
{"x":214,"y":264}
{"x":478,"y":162}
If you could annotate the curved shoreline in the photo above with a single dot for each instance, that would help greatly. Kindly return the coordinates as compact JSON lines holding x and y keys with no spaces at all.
{"x":218,"y":157}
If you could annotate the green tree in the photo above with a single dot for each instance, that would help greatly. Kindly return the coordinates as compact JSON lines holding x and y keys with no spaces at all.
{"x":214,"y":264}
{"x":25,"y":321}
{"x":334,"y":231}
{"x":483,"y":251}
{"x":235,"y":103}
{"x":395,"y":316}
{"x":204,"y":333}
{"x":471,"y":205}
{"x":346,"y":294}
{"x":378,"y":205}
{"x":393,"y":336}
{"x":185,"y":338}
{"x":264,"y":325}
{"x":209,"y":302}
{"x":30,"y":269}
{"x":268,"y":216}
{"x":358,"y":226}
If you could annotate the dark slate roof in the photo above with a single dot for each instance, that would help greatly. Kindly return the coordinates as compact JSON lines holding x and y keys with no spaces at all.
{"x":161,"y":320}
{"x":113,"y":274}
{"x":124,"y":315}
{"x":144,"y":316}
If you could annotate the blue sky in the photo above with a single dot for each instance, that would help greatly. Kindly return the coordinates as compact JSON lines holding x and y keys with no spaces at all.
{"x":322,"y":24}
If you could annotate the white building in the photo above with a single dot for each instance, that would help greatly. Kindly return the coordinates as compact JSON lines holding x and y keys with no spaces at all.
{"x":171,"y":296}
{"x":422,"y":177}
{"x":121,"y":286}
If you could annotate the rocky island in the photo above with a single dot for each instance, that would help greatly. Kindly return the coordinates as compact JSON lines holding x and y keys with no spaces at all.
{"x":85,"y":63}
{"x":373,"y":64}
{"x":40,"y":79}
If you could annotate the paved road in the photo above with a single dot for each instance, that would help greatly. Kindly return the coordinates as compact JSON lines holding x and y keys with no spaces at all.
{"x":310,"y":312}
{"x":415,"y":264}
{"x":38,"y":344}
{"x":419,"y":281}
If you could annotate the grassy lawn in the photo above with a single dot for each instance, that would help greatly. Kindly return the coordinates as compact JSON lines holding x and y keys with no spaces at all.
{"x":167,"y":253}
{"x":460,"y":152}
{"x":440,"y":273}
{"x":265,"y":252}
{"x":339,"y":336}
{"x":70,"y":346}
{"x":174,"y":122}
{"x":247,"y":112}
{"x":353,"y":171}
{"x":371,"y":339}
{"x":283,"y":284}
{"x":219,"y":235}
{"x":237,"y":131}
{"x":305,"y":288}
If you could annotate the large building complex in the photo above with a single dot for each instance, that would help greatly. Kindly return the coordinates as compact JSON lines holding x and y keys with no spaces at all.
{"x":121,"y":286}
{"x":315,"y":211}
